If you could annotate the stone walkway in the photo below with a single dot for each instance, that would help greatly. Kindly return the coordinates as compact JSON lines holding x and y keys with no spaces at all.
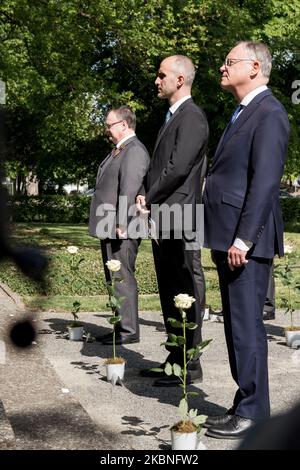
{"x":55,"y":395}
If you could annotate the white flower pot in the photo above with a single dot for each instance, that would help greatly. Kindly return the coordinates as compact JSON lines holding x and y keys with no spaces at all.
{"x":206,"y":314}
{"x":292,"y":337}
{"x":184,"y":440}
{"x":75,"y":333}
{"x":115,"y":371}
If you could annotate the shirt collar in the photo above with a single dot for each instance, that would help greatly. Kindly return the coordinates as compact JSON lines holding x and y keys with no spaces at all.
{"x":124,"y":139}
{"x":250,"y":96}
{"x":176,"y":105}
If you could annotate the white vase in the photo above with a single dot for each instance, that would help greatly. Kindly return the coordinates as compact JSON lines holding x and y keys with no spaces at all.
{"x":292,"y":338}
{"x":206,"y":314}
{"x":115,"y":372}
{"x":184,"y":440}
{"x":75,"y":333}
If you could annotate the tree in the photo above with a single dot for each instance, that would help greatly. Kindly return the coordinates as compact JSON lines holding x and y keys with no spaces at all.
{"x":67,"y":61}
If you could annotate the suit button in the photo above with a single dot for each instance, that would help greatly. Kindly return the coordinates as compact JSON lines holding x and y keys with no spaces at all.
{"x":209,"y":173}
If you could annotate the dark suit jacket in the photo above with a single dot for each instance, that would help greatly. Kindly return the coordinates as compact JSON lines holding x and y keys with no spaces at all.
{"x":241,"y":197}
{"x":121,"y":175}
{"x":174,"y":174}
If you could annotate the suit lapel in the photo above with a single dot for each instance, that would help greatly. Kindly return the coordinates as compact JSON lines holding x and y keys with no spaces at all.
{"x":243,"y":117}
{"x":163,"y":129}
{"x":174,"y":116}
{"x":109,"y":159}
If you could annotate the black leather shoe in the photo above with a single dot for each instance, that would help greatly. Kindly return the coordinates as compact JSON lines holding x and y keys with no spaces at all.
{"x":193,"y":376}
{"x":220,"y":419}
{"x":103,"y":337}
{"x":236,"y":428}
{"x":152,"y":373}
{"x":121,"y":340}
{"x":268,"y":315}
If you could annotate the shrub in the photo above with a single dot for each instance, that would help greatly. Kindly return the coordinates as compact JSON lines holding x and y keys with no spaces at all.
{"x":50,"y":208}
{"x":75,"y":209}
{"x":291,"y":212}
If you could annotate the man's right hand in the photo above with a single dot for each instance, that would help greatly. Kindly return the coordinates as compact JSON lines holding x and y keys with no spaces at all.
{"x":141,"y":204}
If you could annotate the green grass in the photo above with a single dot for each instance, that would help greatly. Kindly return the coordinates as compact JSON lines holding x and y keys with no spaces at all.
{"x":88,"y":286}
{"x":88,"y":303}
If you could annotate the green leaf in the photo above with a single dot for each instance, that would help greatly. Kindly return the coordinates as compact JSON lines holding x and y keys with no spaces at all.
{"x":157,"y":369}
{"x":172,"y":337}
{"x":199,"y":420}
{"x":110,"y":289}
{"x":204,"y":345}
{"x":181,"y":340}
{"x":168,"y":369}
{"x":191,"y":326}
{"x":76,"y":307}
{"x":114,"y":320}
{"x":175,"y":323}
{"x":177,"y":370}
{"x":183,"y":408}
{"x":193,"y":394}
{"x":190,"y":353}
{"x":113,"y":302}
{"x":192,"y":413}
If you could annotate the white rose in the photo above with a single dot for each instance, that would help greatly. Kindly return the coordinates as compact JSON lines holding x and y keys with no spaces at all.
{"x":113,"y":265}
{"x":72,"y":249}
{"x":183,"y":301}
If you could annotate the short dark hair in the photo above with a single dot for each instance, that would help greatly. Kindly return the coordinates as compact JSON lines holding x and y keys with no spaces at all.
{"x":125,"y":113}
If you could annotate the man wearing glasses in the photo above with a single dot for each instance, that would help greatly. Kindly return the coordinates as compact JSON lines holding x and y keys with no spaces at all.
{"x":244,"y":228}
{"x":119,"y":179}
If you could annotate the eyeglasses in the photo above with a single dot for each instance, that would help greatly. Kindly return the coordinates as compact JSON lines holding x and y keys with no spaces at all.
{"x":230,"y":62}
{"x":108,"y":126}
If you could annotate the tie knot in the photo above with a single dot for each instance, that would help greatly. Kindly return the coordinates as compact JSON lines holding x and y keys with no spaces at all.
{"x":236,"y":113}
{"x":168,"y":115}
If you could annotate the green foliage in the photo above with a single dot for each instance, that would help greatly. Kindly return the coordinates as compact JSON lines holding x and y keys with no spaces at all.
{"x":75,"y":209}
{"x":66,"y":62}
{"x":48,"y":208}
{"x":289,"y":275}
{"x":291,"y":212}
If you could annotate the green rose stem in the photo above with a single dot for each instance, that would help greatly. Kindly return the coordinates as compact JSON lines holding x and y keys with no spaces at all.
{"x":114,"y":314}
{"x":114,"y":303}
{"x":188,"y":417}
{"x":183,"y":315}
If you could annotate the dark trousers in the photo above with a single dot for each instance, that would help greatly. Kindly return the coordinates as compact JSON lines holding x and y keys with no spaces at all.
{"x":269,"y":306}
{"x":179,"y":271}
{"x":243,"y":293}
{"x":124,"y":251}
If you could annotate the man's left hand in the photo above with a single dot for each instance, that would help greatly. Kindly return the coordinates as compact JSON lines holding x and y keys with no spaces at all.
{"x":236,"y":258}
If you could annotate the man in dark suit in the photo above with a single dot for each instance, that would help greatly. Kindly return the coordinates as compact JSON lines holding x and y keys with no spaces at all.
{"x":244,"y":228}
{"x":174,"y":180}
{"x":119,"y":179}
